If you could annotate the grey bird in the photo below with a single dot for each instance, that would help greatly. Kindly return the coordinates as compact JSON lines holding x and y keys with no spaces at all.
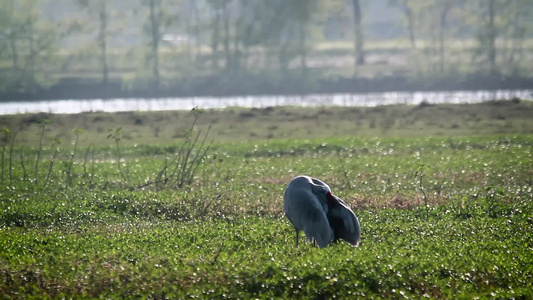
{"x":323,"y":217}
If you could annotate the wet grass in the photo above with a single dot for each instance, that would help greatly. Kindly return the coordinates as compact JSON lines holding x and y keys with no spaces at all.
{"x":96,"y":235}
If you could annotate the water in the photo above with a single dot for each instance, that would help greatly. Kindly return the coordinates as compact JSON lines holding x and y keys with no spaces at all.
{"x":147,"y":104}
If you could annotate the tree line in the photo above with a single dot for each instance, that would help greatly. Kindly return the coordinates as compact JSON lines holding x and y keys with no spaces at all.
{"x":159,"y":44}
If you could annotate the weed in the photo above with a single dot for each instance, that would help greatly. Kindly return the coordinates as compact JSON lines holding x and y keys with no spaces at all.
{"x":55,"y":146}
{"x":9,"y":138}
{"x":181,"y":169}
{"x":490,"y":198}
{"x":6,"y":138}
{"x":22,"y":165}
{"x":116,"y":135}
{"x":89,"y":175}
{"x":420,"y":172}
{"x":344,"y":173}
{"x":70,"y":163}
{"x":42,"y":124}
{"x":11,"y":158}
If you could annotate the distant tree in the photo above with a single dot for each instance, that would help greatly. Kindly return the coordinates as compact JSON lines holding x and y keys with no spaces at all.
{"x":243,"y":30}
{"x":271,"y":28}
{"x":436,"y":15}
{"x":191,"y":16}
{"x":303,"y":11}
{"x":220,"y":14}
{"x":488,"y":37}
{"x":411,"y":9}
{"x":231,"y":27}
{"x":516,"y":27}
{"x":444,"y":8}
{"x":241,"y":15}
{"x":98,"y":9}
{"x":158,"y":19}
{"x":285,"y":25}
{"x":28,"y":43}
{"x":7,"y":40}
{"x":410,"y":17}
{"x":226,"y":39}
{"x":261,"y":24}
{"x":487,"y":31}
{"x":155,"y":34}
{"x":359,"y":54}
{"x":502,"y":22}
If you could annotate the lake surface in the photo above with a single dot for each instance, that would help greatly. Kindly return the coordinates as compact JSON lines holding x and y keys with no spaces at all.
{"x":147,"y":104}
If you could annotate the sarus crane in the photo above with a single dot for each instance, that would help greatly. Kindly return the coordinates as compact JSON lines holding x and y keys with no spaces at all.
{"x":323,"y":217}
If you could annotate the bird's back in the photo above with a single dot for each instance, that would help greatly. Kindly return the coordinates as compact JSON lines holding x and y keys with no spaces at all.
{"x":305,"y":210}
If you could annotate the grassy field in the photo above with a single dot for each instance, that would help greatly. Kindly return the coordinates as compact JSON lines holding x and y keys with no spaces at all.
{"x":280,"y":123}
{"x":89,"y":219}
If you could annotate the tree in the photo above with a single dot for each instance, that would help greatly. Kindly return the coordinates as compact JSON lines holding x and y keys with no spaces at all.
{"x":193,"y":19}
{"x":491,"y":36}
{"x":243,"y":30}
{"x":286,"y":26}
{"x":502,"y":22}
{"x":516,"y":26}
{"x":155,"y":18}
{"x":269,"y":24}
{"x":29,"y":44}
{"x":359,"y":54}
{"x":443,"y":7}
{"x":219,"y":11}
{"x":410,"y":10}
{"x":302,"y":11}
{"x":158,"y":19}
{"x":99,"y":9}
{"x":488,"y":32}
{"x":436,"y":16}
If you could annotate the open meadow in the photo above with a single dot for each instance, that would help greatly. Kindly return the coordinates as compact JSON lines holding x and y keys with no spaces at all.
{"x":166,"y":205}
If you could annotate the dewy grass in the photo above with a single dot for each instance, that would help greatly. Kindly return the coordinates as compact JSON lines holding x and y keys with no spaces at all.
{"x":225,"y":236}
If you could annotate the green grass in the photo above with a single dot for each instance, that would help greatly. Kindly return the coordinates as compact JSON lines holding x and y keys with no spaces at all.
{"x":225,"y":236}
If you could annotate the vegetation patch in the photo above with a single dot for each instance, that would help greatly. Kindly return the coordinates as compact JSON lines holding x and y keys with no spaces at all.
{"x":441,"y":216}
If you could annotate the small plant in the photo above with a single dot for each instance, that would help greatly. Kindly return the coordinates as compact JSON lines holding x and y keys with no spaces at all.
{"x":22,"y":165}
{"x":11,"y":158}
{"x":344,"y":173}
{"x":9,"y":138}
{"x":88,"y":175}
{"x":116,"y":135}
{"x":420,"y":172}
{"x":55,"y":146}
{"x":42,"y":124}
{"x":70,"y":163}
{"x":4,"y":144}
{"x":182,"y":168}
{"x":490,"y":200}
{"x":464,"y":209}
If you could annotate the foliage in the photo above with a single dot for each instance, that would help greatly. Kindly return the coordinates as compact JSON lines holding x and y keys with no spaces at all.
{"x":28,"y":48}
{"x":225,"y":236}
{"x":170,"y":46}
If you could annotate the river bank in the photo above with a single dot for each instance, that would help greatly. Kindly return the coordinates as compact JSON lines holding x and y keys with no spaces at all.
{"x":257,"y":85}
